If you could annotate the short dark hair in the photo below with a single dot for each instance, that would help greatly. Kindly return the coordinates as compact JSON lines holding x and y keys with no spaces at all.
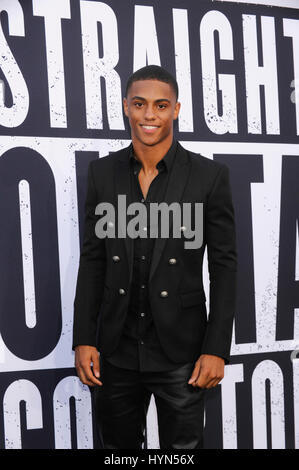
{"x":153,"y":72}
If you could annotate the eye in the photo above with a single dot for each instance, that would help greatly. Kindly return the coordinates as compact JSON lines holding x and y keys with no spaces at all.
{"x":138,"y":105}
{"x":161,"y":106}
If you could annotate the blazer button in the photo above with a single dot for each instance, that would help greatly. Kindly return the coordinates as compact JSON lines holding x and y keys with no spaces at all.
{"x":116,"y":258}
{"x":121,"y":291}
{"x":183,"y":228}
{"x":172,"y":261}
{"x":164,"y":293}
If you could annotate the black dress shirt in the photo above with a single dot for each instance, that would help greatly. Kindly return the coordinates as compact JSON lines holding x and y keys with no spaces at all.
{"x":139,"y":347}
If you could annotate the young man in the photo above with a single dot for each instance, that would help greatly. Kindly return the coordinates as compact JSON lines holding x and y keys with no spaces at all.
{"x":140,"y":320}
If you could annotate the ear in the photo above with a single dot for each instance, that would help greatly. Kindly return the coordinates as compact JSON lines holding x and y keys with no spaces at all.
{"x":177,"y":108}
{"x":125,"y":103}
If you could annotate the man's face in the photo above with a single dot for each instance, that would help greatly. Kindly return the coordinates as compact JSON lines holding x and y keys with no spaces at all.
{"x":151,"y":107}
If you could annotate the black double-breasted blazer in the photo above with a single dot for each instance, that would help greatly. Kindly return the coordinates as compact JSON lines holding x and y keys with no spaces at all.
{"x":176,"y":291}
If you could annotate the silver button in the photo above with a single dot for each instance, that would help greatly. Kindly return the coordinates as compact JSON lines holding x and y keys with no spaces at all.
{"x":183,"y":228}
{"x":142,"y":286}
{"x":141,"y":342}
{"x":116,"y":258}
{"x":172,"y":261}
{"x":122,"y":291}
{"x":143,"y":257}
{"x":145,"y":228}
{"x":110,"y":224}
{"x":164,"y":293}
{"x":142,"y":314}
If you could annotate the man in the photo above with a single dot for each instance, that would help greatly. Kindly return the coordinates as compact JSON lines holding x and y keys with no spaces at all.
{"x":140,"y":320}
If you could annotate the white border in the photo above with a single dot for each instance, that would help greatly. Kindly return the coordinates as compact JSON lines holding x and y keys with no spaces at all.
{"x":272,"y":3}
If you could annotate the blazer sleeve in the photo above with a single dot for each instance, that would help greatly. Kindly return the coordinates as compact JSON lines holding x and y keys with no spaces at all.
{"x":91,"y":273}
{"x":222,"y":265}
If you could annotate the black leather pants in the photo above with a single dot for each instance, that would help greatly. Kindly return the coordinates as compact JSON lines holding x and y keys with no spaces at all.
{"x":121,"y":404}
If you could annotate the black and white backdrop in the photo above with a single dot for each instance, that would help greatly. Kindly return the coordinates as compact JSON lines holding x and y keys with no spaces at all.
{"x":63,"y":70}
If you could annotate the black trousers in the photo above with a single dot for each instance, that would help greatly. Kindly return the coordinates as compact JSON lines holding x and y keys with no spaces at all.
{"x":121,"y":405}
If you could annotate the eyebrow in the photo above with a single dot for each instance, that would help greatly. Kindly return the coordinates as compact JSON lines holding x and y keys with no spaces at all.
{"x":143,"y":99}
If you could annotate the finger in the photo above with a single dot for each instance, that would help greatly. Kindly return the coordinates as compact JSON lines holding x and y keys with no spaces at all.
{"x":82,"y":377}
{"x":89,"y":377}
{"x":195,"y":374}
{"x":203,"y":378}
{"x":210,"y":383}
{"x":206,"y":379}
{"x":200,"y":383}
{"x":215,"y":379}
{"x":96,"y":364}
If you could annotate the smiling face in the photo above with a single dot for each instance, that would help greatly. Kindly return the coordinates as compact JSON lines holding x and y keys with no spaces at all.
{"x":151,"y":107}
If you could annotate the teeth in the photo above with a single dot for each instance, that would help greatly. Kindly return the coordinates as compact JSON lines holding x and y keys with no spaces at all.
{"x":150,"y":127}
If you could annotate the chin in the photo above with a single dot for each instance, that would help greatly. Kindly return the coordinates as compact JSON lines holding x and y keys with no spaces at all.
{"x":148,"y":141}
{"x":151,"y":144}
{"x":151,"y":141}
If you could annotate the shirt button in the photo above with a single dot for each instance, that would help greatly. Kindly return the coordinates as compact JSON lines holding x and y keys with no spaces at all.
{"x":164,"y":293}
{"x":142,"y":200}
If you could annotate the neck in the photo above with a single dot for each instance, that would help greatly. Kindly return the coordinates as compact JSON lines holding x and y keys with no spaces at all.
{"x":150,"y":155}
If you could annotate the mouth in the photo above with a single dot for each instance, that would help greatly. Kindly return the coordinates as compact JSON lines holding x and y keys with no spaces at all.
{"x":149,"y":129}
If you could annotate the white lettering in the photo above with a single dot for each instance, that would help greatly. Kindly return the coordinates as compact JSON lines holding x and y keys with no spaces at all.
{"x":233,"y":374}
{"x":67,"y":388}
{"x":146,"y":49}
{"x":15,"y":115}
{"x":220,"y":123}
{"x":183,"y":70}
{"x":271,"y":371}
{"x":95,"y":67}
{"x":53,"y":12}
{"x":20,"y":390}
{"x":257,"y":75}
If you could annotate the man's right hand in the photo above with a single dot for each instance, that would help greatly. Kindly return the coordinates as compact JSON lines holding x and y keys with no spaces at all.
{"x":84,"y":357}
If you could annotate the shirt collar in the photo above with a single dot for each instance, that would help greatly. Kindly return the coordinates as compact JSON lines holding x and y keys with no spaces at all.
{"x":165,"y":162}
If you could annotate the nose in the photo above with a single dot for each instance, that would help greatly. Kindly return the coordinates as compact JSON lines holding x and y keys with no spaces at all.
{"x":149,"y":113}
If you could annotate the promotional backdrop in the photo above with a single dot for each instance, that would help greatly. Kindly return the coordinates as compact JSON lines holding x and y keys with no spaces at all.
{"x":63,"y":70}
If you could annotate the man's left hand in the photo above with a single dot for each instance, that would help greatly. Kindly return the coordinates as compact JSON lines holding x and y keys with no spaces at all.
{"x":208,"y":371}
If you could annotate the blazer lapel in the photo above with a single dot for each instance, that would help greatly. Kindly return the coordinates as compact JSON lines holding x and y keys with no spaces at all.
{"x":122,"y":184}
